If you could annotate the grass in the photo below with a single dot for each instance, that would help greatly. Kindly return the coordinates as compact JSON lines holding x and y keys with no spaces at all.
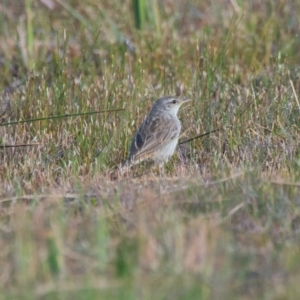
{"x":224,"y":223}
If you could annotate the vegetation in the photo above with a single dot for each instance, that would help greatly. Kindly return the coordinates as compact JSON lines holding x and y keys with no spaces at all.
{"x":77,"y":78}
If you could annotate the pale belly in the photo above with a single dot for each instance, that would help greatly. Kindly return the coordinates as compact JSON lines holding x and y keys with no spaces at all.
{"x":163,"y":154}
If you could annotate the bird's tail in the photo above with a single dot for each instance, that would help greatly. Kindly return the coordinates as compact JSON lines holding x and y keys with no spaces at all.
{"x":125,"y":166}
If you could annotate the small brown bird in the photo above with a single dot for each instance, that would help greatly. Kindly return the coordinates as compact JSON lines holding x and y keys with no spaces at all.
{"x":158,"y":135}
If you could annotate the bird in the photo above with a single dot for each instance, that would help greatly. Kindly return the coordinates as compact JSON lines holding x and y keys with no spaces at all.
{"x":157,"y":137}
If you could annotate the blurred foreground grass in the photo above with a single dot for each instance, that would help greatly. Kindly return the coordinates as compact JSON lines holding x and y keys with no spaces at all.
{"x":223,"y":224}
{"x":160,"y":239}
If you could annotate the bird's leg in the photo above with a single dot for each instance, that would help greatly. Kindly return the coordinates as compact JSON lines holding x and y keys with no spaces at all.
{"x":161,"y":169}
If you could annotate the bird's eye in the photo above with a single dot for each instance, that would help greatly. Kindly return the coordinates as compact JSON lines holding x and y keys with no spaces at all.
{"x":174,"y":101}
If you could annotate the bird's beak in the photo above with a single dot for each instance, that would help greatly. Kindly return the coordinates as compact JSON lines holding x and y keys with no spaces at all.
{"x":186,"y":100}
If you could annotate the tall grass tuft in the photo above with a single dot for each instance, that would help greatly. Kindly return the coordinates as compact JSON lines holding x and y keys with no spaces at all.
{"x":146,"y":14}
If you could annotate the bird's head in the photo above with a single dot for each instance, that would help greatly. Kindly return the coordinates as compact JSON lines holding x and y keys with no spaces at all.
{"x":170,"y":104}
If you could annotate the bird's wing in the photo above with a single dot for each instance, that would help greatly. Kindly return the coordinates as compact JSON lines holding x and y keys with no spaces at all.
{"x":153,"y":134}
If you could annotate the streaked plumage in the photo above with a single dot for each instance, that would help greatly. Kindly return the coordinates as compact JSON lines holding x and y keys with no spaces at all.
{"x":158,"y":135}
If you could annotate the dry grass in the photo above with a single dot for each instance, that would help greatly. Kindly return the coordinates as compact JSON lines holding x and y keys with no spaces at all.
{"x":223,"y":223}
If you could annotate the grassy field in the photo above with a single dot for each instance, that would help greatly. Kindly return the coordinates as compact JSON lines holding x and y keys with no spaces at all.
{"x":76,"y":80}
